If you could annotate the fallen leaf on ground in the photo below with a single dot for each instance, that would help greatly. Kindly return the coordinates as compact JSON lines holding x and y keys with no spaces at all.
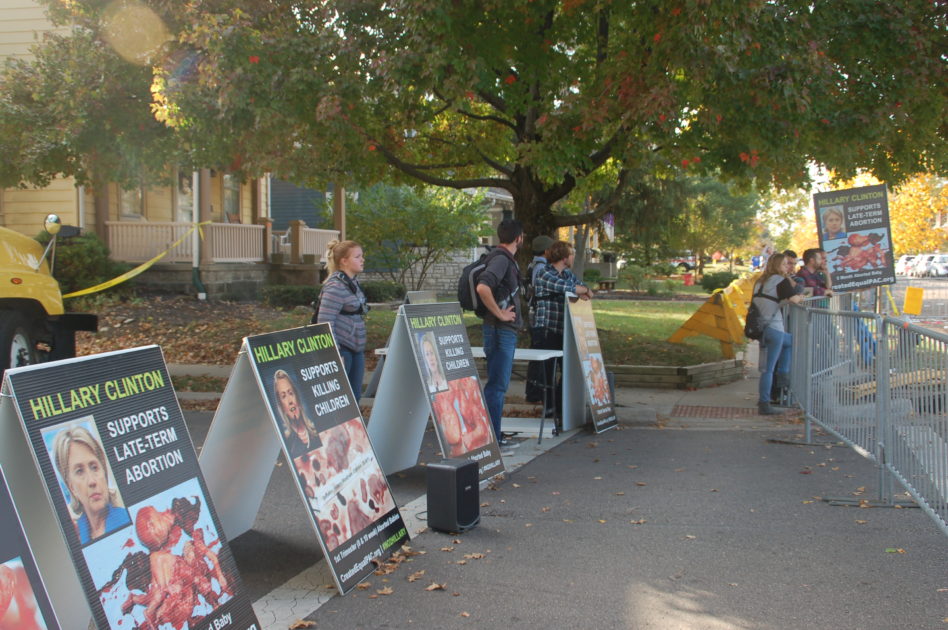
{"x":302,"y":623}
{"x":597,"y":478}
{"x":473,"y":556}
{"x":545,"y":509}
{"x":447,"y":549}
{"x":434,"y":586}
{"x":861,"y":522}
{"x":363,"y":586}
{"x":388,"y":590}
{"x":894,"y":550}
{"x":690,"y":536}
{"x":620,"y":494}
{"x":640,"y":483}
{"x":416,"y":575}
{"x":641,"y":521}
{"x":465,"y":614}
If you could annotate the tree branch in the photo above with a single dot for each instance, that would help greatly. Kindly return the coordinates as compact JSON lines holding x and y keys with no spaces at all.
{"x":418,"y":172}
{"x":602,"y":209}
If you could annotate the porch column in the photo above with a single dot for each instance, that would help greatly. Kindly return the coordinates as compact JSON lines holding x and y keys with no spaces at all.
{"x":267,"y":224}
{"x":204,"y":209}
{"x":296,"y":241}
{"x":339,"y":210}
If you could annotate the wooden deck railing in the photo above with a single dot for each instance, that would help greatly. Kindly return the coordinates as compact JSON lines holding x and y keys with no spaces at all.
{"x":140,"y":241}
{"x":224,"y":242}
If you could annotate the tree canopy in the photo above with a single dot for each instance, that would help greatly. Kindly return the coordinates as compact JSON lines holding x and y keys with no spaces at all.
{"x":535,"y":96}
{"x":539,"y":97}
{"x":77,"y":109}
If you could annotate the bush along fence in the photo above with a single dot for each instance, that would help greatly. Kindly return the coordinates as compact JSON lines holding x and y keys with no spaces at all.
{"x":880,"y":385}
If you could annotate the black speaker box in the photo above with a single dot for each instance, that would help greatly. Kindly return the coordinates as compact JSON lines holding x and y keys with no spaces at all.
{"x":453,"y":495}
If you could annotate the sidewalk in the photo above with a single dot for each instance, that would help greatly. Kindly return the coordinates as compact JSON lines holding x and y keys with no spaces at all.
{"x":672,"y":521}
{"x":684,"y":517}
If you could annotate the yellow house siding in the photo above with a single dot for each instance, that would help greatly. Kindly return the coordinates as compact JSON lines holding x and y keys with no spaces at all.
{"x":25,"y":209}
{"x":22,"y":23}
{"x":159,"y":204}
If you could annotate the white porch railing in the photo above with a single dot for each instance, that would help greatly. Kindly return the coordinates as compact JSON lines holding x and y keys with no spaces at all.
{"x":234,"y":242}
{"x":225,"y":242}
{"x":313,"y":241}
{"x":140,"y":241}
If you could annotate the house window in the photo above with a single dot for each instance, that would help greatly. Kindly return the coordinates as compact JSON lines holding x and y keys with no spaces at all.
{"x":131,"y":204}
{"x":231,"y":198}
{"x":184,"y":197}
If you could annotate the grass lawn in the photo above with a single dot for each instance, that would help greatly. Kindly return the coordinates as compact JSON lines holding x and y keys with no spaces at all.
{"x":632,"y":332}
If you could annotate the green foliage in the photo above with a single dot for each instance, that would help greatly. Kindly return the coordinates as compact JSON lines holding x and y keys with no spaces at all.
{"x":405,"y":232}
{"x":652,"y":288}
{"x":383,"y":291}
{"x":669,"y":286}
{"x":288,"y":295}
{"x":591,"y":276}
{"x":634,"y":277}
{"x":540,"y":97}
{"x":78,"y":109}
{"x":83,"y":262}
{"x":664,"y":269}
{"x":717,"y":280}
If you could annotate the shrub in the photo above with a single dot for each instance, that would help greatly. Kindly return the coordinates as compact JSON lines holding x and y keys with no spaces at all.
{"x":669,"y":286}
{"x":591,"y":276}
{"x":634,"y":276}
{"x":664,"y":269}
{"x":717,"y":280}
{"x":652,"y":288}
{"x":289,"y":295}
{"x":83,"y":261}
{"x":383,"y":290}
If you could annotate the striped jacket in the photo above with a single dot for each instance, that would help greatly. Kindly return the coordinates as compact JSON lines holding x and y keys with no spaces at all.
{"x":338,"y":306}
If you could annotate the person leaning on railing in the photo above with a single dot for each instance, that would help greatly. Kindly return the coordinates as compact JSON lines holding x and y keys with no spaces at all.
{"x":773,"y":289}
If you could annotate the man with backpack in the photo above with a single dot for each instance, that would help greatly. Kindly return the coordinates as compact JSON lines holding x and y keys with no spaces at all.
{"x":498,"y":288}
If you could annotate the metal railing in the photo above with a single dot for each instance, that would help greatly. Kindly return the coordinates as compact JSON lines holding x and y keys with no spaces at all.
{"x":880,"y":385}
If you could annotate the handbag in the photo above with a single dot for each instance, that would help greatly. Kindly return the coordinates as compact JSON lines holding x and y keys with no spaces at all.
{"x":754,"y":323}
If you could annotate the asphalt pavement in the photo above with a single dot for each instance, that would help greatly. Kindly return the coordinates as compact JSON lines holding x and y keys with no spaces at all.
{"x":693,"y":513}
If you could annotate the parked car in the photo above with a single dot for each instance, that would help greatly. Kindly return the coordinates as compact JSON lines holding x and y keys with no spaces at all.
{"x":939,"y":266}
{"x":921,"y":265}
{"x":684,"y":263}
{"x":903,"y":263}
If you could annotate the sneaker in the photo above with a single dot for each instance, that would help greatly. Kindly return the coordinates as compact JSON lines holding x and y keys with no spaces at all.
{"x":507,"y":443}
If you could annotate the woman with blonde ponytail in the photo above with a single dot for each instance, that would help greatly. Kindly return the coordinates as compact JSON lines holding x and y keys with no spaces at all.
{"x":342,"y":304}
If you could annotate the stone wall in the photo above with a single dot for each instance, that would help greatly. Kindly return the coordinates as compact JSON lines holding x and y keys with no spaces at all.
{"x":240,"y":281}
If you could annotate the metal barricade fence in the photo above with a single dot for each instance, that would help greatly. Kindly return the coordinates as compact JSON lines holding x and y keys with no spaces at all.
{"x":916,"y":440}
{"x":881,"y":386}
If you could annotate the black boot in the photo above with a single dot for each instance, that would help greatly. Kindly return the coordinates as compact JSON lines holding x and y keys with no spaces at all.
{"x":764,"y":409}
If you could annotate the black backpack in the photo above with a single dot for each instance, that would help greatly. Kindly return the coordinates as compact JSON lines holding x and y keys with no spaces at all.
{"x":467,"y":283}
{"x":754,"y":324}
{"x":529,"y":290}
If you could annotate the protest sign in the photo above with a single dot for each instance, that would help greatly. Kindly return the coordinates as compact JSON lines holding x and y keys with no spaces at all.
{"x":117,"y":462}
{"x":311,"y":405}
{"x":585,"y":339}
{"x":446,"y":365}
{"x":854,"y":230}
{"x":24,"y":604}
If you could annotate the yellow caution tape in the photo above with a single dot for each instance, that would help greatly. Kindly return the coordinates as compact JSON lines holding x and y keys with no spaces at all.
{"x":108,"y":284}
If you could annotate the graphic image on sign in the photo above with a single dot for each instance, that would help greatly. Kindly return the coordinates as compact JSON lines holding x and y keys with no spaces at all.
{"x":854,"y":230}
{"x":24,"y":604}
{"x":446,"y":366}
{"x":119,"y":467}
{"x":301,"y":376}
{"x":587,"y":346}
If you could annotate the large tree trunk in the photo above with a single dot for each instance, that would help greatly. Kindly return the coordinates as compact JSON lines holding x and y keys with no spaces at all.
{"x":537,"y":219}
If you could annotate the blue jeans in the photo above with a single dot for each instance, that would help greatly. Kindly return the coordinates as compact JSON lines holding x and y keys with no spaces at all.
{"x":778,"y":344}
{"x":354,"y":363}
{"x":499,"y":346}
